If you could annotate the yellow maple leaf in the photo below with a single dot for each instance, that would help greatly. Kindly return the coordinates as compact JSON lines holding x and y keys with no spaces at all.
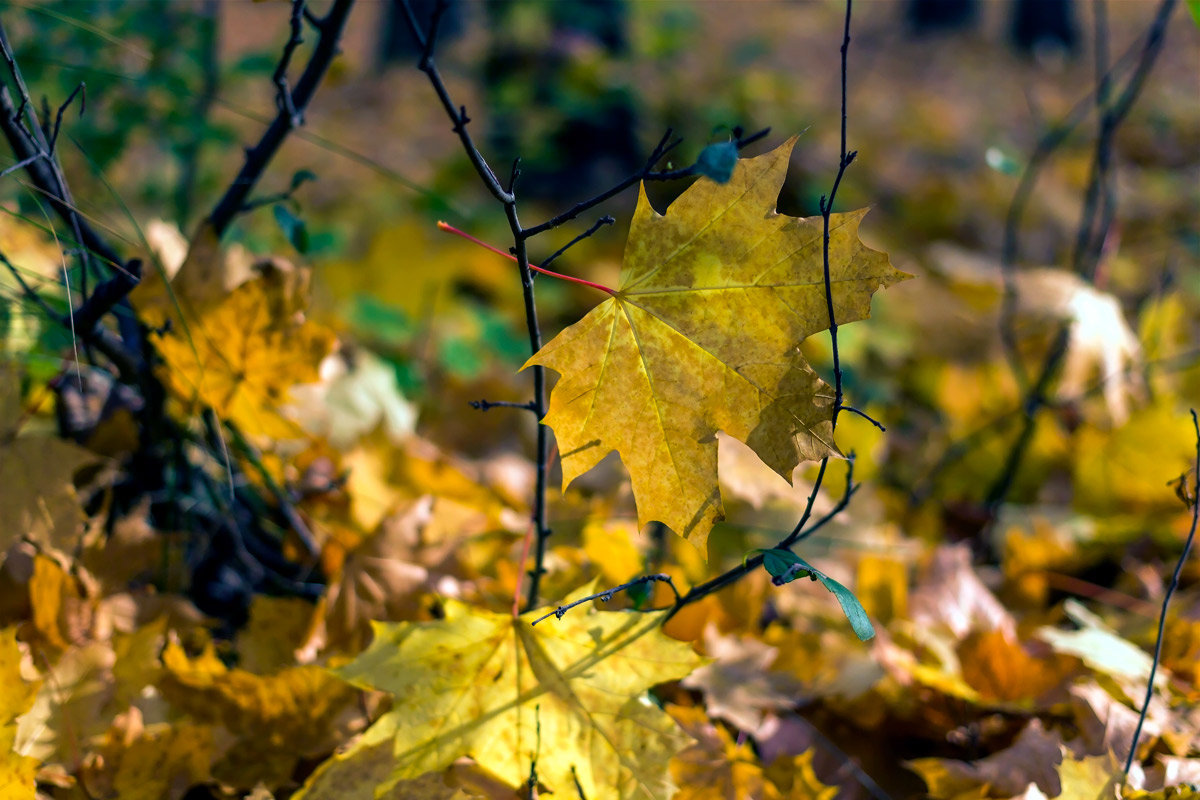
{"x":233,"y":339}
{"x":240,"y":355}
{"x":703,"y":336}
{"x":568,"y":693}
{"x":16,"y":770}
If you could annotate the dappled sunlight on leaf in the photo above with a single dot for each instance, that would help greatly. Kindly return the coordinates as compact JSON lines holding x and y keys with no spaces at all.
{"x":485,"y":684}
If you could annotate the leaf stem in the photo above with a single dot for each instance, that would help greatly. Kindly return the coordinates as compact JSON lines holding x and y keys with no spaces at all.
{"x":448,"y":228}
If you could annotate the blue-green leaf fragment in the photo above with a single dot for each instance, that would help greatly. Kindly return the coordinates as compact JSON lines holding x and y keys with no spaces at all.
{"x":785,"y":567}
{"x":717,"y":161}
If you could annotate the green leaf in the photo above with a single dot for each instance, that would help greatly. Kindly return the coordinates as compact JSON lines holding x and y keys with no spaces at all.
{"x":1194,"y":7}
{"x":293,"y":228}
{"x":854,"y":611}
{"x":717,"y":161}
{"x":785,"y":567}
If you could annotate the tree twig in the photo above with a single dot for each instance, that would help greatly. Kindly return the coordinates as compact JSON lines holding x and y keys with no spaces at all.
{"x":329,"y":32}
{"x":607,"y":594}
{"x":1171,"y":587}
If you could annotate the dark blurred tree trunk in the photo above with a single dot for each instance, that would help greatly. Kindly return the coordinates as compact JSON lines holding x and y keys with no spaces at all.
{"x":935,"y":16}
{"x":1042,"y":23}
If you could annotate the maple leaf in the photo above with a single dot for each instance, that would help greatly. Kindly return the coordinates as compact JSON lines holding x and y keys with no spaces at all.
{"x":569,"y":695}
{"x":703,"y":336}
{"x":233,"y":337}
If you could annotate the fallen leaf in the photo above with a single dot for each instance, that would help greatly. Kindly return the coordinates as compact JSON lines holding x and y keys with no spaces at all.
{"x":997,"y":666}
{"x":37,"y":496}
{"x":16,"y":769}
{"x":715,"y":767}
{"x":797,"y":780}
{"x":241,"y":352}
{"x":949,"y":594}
{"x":1033,"y":758}
{"x":739,"y":685}
{"x":1102,"y":650}
{"x":1091,"y":778}
{"x":703,"y":335}
{"x":569,"y":693}
{"x":277,"y":718}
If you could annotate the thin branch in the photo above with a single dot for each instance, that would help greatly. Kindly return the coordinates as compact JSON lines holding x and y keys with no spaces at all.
{"x":457,"y":114}
{"x":865,"y":416}
{"x":46,"y":176}
{"x":484,"y":405}
{"x":607,"y":595}
{"x":1171,"y":587}
{"x":798,"y":534}
{"x":283,"y":97}
{"x":104,"y":340}
{"x":329,"y":33}
{"x":597,"y":225}
{"x":826,"y":209}
{"x":294,"y":520}
{"x":81,"y":92}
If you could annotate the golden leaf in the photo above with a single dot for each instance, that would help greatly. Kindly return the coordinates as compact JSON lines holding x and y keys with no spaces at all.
{"x":16,"y":770}
{"x":240,"y":354}
{"x":715,"y":767}
{"x":569,"y":693}
{"x":37,"y":497}
{"x":703,"y":336}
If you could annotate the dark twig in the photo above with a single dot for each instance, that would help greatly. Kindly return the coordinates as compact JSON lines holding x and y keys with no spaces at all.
{"x":80,"y":92}
{"x":826,"y":206}
{"x":484,"y":405}
{"x":607,"y":595}
{"x":798,"y":534}
{"x":286,"y":508}
{"x":646,"y":173}
{"x":1171,"y":587}
{"x":104,"y":340}
{"x":865,"y":416}
{"x":597,"y":225}
{"x":329,"y":32}
{"x":283,"y":98}
{"x":19,"y":165}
